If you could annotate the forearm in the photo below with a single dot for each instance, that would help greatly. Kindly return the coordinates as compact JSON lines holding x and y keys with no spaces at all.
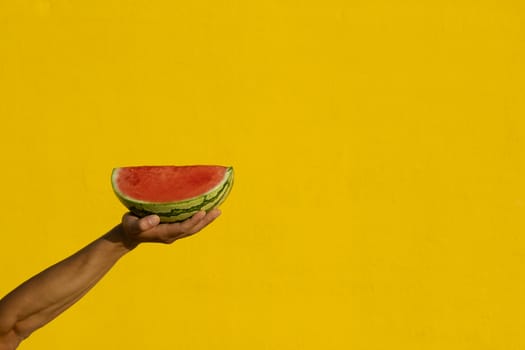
{"x":46,"y":295}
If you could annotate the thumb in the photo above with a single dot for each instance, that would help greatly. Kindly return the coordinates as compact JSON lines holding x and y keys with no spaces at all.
{"x":148,"y":222}
{"x":134,"y":225}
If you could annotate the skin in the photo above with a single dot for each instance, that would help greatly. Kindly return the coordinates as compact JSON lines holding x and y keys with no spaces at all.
{"x":46,"y":295}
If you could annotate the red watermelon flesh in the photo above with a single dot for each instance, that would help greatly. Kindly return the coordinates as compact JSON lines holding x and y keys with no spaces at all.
{"x":161,"y":184}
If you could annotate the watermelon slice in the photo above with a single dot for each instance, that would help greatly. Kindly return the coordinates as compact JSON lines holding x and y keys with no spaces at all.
{"x":174,"y":193}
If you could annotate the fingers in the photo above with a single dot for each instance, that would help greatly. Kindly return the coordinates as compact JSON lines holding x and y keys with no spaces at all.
{"x":206,"y":220}
{"x":201,"y":222}
{"x":186,"y":225}
{"x":169,"y":233}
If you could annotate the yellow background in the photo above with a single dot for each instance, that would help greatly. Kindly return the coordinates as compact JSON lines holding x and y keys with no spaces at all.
{"x":379,"y":156}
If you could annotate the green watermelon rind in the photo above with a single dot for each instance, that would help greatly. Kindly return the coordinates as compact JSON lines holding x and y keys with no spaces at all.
{"x":179,"y":210}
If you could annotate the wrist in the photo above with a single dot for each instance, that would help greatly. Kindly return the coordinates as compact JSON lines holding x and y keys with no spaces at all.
{"x":118,"y":236}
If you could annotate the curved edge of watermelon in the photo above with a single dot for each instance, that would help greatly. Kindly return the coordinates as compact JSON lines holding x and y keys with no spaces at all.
{"x":180,"y":210}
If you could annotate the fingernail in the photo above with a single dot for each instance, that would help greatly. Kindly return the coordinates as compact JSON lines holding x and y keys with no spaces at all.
{"x":153,"y":220}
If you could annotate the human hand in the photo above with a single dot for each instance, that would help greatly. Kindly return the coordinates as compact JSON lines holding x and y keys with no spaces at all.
{"x":149,"y":229}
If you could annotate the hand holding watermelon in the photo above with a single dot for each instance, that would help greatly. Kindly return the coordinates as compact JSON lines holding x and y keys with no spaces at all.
{"x":136,"y":230}
{"x":166,"y":204}
{"x":23,"y":310}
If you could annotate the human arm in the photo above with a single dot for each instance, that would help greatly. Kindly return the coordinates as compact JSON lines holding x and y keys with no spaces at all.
{"x":43,"y":297}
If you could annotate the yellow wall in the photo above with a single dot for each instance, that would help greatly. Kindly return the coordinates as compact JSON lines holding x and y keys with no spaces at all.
{"x":379,"y":155}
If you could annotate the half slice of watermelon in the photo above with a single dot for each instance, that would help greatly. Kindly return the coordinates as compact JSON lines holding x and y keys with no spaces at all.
{"x":174,"y":193}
